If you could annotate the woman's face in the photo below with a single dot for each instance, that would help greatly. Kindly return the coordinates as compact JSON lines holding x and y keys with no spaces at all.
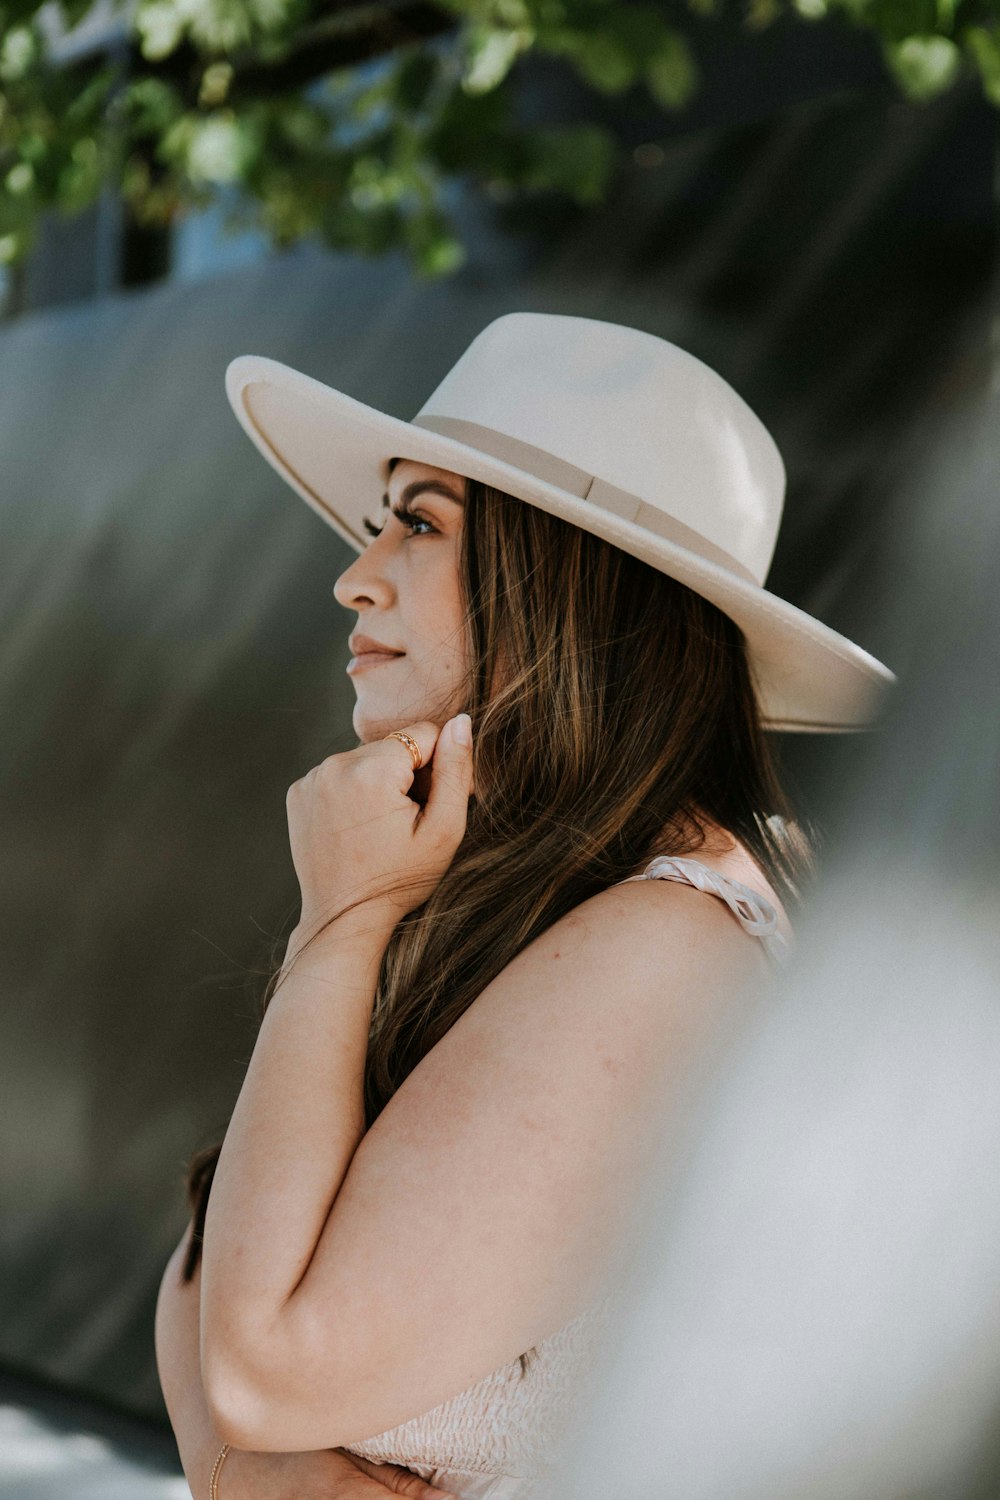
{"x":405,"y":589}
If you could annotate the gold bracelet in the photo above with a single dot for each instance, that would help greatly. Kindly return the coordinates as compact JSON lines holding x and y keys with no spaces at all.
{"x":215,"y":1472}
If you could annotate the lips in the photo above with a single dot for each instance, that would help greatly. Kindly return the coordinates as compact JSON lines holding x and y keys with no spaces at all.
{"x":366,"y":659}
{"x":361,"y":644}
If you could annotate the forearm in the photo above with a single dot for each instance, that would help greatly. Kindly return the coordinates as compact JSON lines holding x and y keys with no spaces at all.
{"x":178,"y":1363}
{"x":297,"y":1123}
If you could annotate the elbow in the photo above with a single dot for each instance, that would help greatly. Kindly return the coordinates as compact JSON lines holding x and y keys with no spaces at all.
{"x":235,"y":1416}
{"x":234,"y":1404}
{"x":256,"y":1395}
{"x":248,"y":1417}
{"x":255,"y":1410}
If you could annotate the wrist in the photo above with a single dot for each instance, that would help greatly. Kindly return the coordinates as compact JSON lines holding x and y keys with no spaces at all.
{"x":197,"y":1459}
{"x":220,"y":1459}
{"x":365,"y":929}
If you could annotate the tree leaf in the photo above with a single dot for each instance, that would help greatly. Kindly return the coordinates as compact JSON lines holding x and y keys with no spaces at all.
{"x":923,"y":66}
{"x":984,"y":48}
{"x":671,"y":74}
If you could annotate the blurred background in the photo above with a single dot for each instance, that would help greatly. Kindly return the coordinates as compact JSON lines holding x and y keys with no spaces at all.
{"x":804,"y":196}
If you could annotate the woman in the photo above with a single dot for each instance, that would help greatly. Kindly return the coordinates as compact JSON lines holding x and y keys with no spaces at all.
{"x":434,"y":1161}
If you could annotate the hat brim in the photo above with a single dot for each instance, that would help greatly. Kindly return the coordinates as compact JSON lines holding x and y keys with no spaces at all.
{"x":333,"y":450}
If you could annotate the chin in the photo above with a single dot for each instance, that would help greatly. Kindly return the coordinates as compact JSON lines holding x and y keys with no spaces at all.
{"x":370,"y":726}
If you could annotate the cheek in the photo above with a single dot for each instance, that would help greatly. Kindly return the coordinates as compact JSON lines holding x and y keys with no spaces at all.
{"x":443,"y":655}
{"x":444,"y":617}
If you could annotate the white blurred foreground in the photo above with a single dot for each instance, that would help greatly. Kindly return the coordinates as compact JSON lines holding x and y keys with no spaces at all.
{"x":815,"y":1307}
{"x":55,"y":1454}
{"x":816,"y":1310}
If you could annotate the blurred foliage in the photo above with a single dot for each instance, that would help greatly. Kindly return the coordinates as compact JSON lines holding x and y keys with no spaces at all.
{"x":345,"y":121}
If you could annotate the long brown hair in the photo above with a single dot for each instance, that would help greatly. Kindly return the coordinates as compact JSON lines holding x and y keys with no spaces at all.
{"x":613,"y":713}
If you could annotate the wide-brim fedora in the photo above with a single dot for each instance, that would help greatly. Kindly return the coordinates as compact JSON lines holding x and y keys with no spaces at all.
{"x":611,"y":428}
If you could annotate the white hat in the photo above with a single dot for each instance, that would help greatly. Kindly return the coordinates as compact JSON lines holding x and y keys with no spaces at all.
{"x":619,"y":432}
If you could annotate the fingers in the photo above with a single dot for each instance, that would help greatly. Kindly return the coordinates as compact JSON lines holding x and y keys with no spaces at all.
{"x":447,"y":802}
{"x":400,"y":1481}
{"x":423,"y":732}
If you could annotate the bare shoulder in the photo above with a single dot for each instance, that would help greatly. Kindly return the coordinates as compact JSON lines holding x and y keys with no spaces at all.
{"x":628,"y":973}
{"x":661,"y":937}
{"x":702,"y":912}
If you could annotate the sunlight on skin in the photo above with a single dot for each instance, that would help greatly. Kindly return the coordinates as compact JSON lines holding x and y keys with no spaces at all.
{"x":406,"y":592}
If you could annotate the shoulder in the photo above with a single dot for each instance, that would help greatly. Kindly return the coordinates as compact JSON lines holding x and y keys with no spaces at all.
{"x":724,"y":857}
{"x":649,"y":936}
{"x":622,"y":983}
{"x":737,"y":863}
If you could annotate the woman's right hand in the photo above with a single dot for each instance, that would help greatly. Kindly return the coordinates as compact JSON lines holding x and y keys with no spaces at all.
{"x":324,"y":1474}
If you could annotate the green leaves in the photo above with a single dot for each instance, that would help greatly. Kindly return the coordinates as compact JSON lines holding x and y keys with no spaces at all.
{"x":984,"y":47}
{"x":614,"y":47}
{"x":490,"y":53}
{"x":435,"y":250}
{"x":54,"y":146}
{"x":671,"y":74}
{"x":212,"y":26}
{"x":412,"y":84}
{"x":572,"y":159}
{"x":923,"y":66}
{"x":20,"y":50}
{"x":152,"y":104}
{"x":340,"y":122}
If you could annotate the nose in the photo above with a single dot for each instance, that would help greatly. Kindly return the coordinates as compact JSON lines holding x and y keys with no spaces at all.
{"x":364,"y":582}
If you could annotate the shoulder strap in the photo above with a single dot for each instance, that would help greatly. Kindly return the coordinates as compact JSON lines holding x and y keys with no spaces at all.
{"x":754,"y":912}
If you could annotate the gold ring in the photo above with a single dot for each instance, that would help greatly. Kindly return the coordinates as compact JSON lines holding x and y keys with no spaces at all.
{"x":411,"y":745}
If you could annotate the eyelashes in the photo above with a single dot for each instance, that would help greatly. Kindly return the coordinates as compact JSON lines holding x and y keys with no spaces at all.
{"x":408,"y":517}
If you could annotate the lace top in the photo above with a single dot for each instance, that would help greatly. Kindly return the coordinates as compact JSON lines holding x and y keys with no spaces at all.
{"x":491,"y":1439}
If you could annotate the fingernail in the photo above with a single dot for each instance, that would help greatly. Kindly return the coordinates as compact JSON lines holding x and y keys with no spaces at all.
{"x":461,"y":728}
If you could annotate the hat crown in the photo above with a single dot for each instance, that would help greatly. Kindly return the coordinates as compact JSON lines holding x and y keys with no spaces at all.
{"x":640,"y":415}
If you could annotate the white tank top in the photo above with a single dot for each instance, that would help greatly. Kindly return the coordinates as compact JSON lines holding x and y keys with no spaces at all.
{"x":492,"y":1439}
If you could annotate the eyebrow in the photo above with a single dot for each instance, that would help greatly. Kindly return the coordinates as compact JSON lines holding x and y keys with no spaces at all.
{"x":411,"y":490}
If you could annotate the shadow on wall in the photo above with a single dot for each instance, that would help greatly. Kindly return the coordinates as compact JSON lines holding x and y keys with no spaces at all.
{"x":815,"y":1307}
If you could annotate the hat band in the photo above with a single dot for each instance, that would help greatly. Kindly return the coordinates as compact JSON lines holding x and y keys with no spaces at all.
{"x":566,"y":476}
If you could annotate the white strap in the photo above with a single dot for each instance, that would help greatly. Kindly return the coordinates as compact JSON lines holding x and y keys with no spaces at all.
{"x":755,"y":913}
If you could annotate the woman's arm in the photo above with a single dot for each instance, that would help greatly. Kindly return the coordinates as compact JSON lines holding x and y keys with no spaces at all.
{"x":358,"y":837}
{"x":176,"y":1336}
{"x":319,"y":1474}
{"x":297,"y":1123}
{"x":489,"y":1202}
